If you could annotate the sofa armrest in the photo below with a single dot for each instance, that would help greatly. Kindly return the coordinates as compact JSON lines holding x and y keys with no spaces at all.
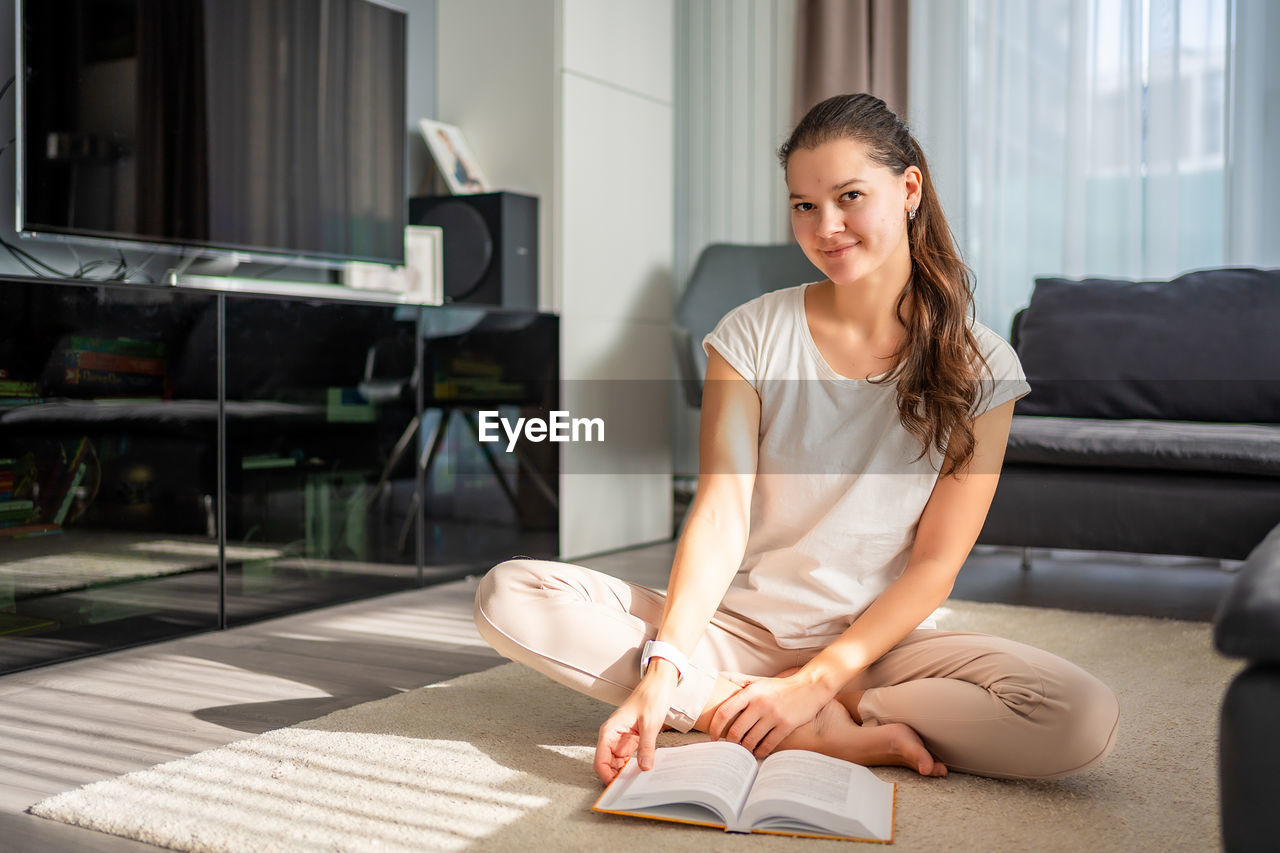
{"x":1015,"y":328}
{"x":1247,"y":624}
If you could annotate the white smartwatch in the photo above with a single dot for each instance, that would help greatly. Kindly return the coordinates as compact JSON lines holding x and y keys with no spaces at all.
{"x":669,"y":653}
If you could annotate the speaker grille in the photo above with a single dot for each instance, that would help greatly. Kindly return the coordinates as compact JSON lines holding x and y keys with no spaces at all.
{"x":468,"y":247}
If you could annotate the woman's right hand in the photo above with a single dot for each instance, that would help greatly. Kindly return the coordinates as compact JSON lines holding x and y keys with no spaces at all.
{"x":707,"y":556}
{"x":633,"y":728}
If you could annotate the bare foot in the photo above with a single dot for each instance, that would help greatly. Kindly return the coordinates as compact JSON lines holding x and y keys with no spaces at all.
{"x":833,"y":732}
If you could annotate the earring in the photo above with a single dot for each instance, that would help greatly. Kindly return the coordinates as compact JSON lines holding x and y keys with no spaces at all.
{"x":911,"y":214}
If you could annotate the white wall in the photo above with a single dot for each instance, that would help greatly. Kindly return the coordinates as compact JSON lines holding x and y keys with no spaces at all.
{"x":617,"y":248}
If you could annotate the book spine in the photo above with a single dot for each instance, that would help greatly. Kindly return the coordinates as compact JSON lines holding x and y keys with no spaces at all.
{"x":111,"y":361}
{"x":15,"y":506}
{"x":112,"y":382}
{"x":26,"y":530}
{"x":15,"y":388}
{"x":70,"y":495}
{"x":122,"y":346}
{"x":62,"y":483}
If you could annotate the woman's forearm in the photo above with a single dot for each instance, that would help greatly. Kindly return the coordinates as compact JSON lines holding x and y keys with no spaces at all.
{"x":892,"y":616}
{"x":707,"y":557}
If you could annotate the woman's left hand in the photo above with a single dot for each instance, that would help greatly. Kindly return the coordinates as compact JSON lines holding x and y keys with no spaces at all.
{"x":767,"y":710}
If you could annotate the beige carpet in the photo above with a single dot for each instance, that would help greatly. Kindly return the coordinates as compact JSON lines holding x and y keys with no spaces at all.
{"x":500,"y":760}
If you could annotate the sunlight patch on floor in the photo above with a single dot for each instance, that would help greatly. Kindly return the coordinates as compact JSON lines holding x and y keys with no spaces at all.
{"x":307,"y":789}
{"x":417,"y":624}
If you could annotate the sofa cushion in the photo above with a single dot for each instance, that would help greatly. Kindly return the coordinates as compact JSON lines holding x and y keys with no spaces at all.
{"x":1163,"y":445}
{"x":1201,"y":347}
{"x":1247,"y":624}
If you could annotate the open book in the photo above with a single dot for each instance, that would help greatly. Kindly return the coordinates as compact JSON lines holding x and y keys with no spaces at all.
{"x":721,"y":784}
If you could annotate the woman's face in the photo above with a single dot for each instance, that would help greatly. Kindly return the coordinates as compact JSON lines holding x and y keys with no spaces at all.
{"x":848,"y":212}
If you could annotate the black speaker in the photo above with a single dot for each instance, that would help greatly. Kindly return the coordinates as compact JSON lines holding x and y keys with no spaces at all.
{"x":490,"y":246}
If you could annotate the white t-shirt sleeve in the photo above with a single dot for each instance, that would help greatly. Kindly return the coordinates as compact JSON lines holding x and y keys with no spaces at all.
{"x":737,"y":337}
{"x":1004,"y":379}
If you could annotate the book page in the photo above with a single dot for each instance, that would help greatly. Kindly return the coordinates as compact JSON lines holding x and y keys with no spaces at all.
{"x":830,"y":795}
{"x":716,"y":774}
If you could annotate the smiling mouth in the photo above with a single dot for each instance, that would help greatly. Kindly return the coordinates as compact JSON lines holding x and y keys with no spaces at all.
{"x":839,"y":250}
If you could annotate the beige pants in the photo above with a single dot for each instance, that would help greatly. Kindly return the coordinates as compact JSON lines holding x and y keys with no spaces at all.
{"x":981,"y":704}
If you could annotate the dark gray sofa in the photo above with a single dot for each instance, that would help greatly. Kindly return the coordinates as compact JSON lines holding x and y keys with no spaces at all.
{"x":1153,"y":423}
{"x":1248,"y":626}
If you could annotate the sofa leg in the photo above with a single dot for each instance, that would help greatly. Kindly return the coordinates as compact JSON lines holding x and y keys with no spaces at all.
{"x":1026,"y":559}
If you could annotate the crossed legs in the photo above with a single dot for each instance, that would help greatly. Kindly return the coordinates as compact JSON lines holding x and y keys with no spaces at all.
{"x":937,"y":700}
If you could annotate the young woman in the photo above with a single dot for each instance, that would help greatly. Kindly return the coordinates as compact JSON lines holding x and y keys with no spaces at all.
{"x":852,"y":435}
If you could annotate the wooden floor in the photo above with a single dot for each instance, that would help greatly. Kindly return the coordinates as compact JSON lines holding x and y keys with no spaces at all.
{"x":65,"y":725}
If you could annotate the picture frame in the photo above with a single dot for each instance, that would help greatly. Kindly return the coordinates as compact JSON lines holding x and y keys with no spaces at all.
{"x":453,"y":157}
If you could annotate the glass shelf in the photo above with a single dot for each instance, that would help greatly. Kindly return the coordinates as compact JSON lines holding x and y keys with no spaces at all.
{"x":146,"y":491}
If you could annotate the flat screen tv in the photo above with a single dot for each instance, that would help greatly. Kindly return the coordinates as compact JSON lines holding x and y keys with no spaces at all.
{"x":271,"y":128}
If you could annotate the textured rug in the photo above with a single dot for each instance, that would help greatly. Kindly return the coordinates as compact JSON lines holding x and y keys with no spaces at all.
{"x":83,"y":569}
{"x":501,"y":760}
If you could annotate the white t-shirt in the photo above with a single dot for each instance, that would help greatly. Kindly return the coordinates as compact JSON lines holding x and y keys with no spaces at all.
{"x":837,"y":497}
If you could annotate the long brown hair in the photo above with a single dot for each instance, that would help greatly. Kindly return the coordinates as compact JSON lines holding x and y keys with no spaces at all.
{"x":938,"y":365}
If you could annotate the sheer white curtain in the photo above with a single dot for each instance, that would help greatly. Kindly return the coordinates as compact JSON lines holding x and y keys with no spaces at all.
{"x":1085,"y":137}
{"x":1253,"y":169}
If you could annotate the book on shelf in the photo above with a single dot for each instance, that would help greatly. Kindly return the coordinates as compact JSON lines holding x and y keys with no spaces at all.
{"x":25,"y":531}
{"x":60,"y":474}
{"x":721,"y":784}
{"x":66,"y":480}
{"x":17,"y":478}
{"x":69,"y":496}
{"x":111,"y":361}
{"x":121,"y":346}
{"x":16,"y":388}
{"x":107,"y":382}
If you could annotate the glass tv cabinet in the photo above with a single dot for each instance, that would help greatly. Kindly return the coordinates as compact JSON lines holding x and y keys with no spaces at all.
{"x":177,"y":459}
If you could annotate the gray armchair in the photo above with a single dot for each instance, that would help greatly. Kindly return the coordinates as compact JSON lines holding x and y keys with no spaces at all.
{"x":726,"y":276}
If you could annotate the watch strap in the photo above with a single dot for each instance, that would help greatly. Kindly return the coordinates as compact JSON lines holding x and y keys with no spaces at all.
{"x":669,"y":653}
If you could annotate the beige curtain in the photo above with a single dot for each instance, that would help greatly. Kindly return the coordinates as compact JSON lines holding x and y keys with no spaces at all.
{"x":851,"y":46}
